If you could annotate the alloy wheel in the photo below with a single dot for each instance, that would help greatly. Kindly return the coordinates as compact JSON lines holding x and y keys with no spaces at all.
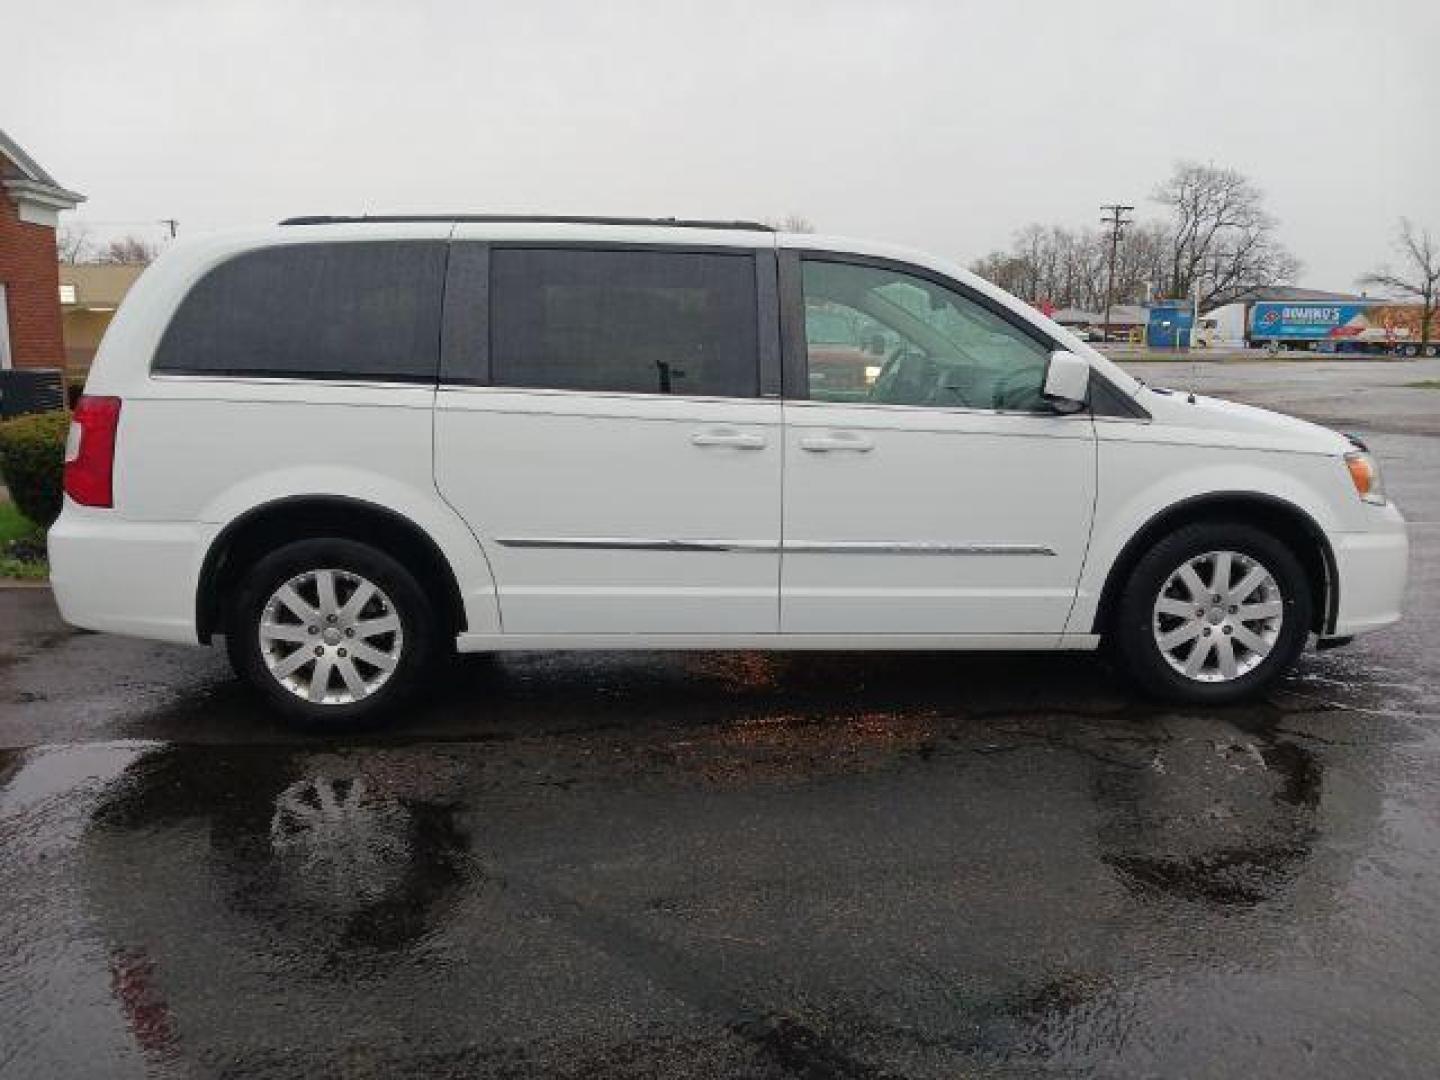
{"x":1218,"y":616}
{"x":330,"y":637}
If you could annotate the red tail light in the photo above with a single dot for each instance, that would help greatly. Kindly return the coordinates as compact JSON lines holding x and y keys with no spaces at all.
{"x":90,"y":451}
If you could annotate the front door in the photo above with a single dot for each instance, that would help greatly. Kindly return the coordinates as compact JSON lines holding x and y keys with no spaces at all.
{"x":928,"y":487}
{"x":617,"y":460}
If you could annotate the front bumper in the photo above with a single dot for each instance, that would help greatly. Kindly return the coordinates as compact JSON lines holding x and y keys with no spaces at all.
{"x":126,"y":577}
{"x":1372,"y":569}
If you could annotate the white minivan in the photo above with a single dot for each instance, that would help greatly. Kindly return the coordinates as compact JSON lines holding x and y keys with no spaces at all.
{"x":350,"y":446}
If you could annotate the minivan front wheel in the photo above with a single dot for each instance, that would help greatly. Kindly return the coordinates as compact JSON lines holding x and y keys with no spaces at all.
{"x":1213,"y":613}
{"x":333,"y":633}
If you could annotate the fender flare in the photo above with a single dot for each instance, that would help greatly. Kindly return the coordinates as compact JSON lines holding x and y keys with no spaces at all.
{"x":1193,"y":506}
{"x":207,"y":595}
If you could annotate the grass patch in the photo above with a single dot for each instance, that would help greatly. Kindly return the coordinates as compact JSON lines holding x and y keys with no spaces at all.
{"x":22,"y":546}
{"x":1425,"y":384}
{"x":14,"y":524}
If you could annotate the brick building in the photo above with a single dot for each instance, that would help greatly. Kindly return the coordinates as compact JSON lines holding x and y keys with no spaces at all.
{"x":30,"y":204}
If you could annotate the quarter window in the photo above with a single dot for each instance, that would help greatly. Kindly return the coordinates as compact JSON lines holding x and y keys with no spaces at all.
{"x":642,"y":322}
{"x":362,"y":310}
{"x":883,"y":336}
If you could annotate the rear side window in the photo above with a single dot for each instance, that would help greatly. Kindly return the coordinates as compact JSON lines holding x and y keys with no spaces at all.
{"x":643,"y":322}
{"x":365,"y":310}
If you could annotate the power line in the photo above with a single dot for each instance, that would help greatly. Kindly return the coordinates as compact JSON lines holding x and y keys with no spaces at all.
{"x":1117,"y":220}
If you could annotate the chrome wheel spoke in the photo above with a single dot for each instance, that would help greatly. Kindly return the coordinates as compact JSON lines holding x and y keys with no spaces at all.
{"x":1198,"y":656}
{"x":1180,"y":635}
{"x":1270,"y":609}
{"x":370,"y":628}
{"x":1220,"y":575}
{"x":292,"y":600}
{"x":292,"y":663}
{"x":351,"y":676}
{"x":1248,"y":584}
{"x":1225,"y":656}
{"x":1181,"y":609}
{"x":325,"y":590}
{"x":1191,"y":580}
{"x":358,"y":599}
{"x":1251,"y":640}
{"x":272,"y":631}
{"x":320,"y":677}
{"x":332,"y":656}
{"x":374,"y":657}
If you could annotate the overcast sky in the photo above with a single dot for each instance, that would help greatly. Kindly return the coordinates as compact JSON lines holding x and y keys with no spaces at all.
{"x":944,"y":126}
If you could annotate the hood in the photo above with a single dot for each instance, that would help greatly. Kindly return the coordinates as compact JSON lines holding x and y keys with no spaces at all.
{"x":1207,"y":421}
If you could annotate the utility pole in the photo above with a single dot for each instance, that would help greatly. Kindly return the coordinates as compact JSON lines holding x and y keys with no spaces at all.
{"x":1116,"y":219}
{"x":173,"y":225}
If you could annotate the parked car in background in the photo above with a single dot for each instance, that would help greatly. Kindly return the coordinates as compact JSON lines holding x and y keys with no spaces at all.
{"x":349,"y":447}
{"x":842,"y":356}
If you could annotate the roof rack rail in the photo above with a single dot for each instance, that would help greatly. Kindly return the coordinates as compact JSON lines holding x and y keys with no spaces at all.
{"x":528,"y":219}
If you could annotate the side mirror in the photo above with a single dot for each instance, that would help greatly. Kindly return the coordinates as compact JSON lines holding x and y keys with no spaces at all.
{"x":1067,"y":381}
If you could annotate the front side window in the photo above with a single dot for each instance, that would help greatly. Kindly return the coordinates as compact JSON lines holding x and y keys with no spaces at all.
{"x":362,"y":310}
{"x":883,"y":336}
{"x":641,"y":322}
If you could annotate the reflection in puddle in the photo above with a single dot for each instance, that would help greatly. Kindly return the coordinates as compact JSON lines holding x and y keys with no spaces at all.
{"x":1222,"y":820}
{"x":337,"y":857}
{"x":1034,"y":868}
{"x":1235,"y":876}
{"x":340,"y":845}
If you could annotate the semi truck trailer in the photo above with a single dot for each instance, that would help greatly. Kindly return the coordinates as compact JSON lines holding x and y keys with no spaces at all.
{"x":1341,"y":326}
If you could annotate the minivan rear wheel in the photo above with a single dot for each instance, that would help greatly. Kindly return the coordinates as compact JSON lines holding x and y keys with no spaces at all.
{"x":332,"y":633}
{"x":1213,"y":613}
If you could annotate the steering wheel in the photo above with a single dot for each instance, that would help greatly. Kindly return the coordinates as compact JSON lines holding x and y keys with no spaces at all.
{"x":895,"y":373}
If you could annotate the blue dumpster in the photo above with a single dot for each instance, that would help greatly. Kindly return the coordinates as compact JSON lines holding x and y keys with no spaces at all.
{"x":1170,"y":326}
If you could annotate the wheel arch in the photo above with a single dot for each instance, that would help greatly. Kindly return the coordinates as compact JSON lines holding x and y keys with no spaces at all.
{"x":1278,"y":516}
{"x":265,"y":527}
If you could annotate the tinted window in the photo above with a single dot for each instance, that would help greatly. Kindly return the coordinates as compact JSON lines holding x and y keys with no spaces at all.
{"x":359,"y":310}
{"x":880,"y":335}
{"x":647,"y":322}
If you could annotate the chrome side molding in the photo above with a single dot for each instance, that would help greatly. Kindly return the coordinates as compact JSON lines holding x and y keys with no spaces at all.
{"x":885,"y":547}
{"x":850,"y":547}
{"x":616,"y":543}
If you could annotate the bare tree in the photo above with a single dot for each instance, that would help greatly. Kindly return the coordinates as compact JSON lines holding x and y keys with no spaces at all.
{"x":73,"y":243}
{"x":791,"y":223}
{"x":1005,"y":269}
{"x":1222,"y":240}
{"x":1219,"y":243}
{"x":1069,"y":267}
{"x":133,"y":250}
{"x":1419,"y":280}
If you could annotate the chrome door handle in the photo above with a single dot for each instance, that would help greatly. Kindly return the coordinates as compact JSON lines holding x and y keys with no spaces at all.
{"x":728,"y":437}
{"x":821,"y":443}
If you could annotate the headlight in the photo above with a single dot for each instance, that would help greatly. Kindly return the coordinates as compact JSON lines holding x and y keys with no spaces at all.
{"x":1365,"y":474}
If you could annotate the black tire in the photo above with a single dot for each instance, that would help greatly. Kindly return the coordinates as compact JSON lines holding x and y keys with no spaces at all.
{"x":1133,"y":628}
{"x":418,"y":641}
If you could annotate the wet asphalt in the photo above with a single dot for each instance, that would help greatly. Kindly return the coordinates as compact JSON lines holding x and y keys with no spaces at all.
{"x":735,"y":864}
